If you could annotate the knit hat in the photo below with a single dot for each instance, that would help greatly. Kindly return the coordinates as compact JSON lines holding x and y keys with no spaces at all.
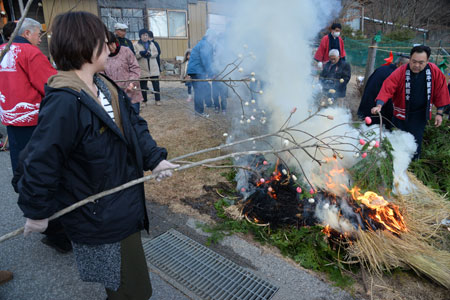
{"x":143,"y":31}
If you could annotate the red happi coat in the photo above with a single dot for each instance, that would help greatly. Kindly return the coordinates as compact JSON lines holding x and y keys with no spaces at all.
{"x":324,"y":49}
{"x":23,"y":73}
{"x":394,"y":87}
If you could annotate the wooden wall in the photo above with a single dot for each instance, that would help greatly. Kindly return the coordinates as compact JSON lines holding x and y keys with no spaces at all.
{"x":198,"y":14}
{"x":170,"y":48}
{"x":54,"y":7}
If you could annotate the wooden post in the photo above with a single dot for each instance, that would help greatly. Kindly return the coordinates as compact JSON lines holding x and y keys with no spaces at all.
{"x":438,"y":53}
{"x":370,"y":65}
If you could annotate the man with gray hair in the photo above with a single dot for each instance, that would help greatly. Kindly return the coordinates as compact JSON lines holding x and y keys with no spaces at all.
{"x":335,"y":76}
{"x":23,"y":73}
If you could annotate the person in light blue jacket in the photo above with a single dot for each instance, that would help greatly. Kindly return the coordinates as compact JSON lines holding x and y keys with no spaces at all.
{"x":200,"y":67}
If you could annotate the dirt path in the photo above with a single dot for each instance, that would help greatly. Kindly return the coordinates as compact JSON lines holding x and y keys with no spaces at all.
{"x":175,"y":126}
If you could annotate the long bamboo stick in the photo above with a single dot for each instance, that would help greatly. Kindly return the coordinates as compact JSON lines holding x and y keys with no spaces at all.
{"x":141,"y":180}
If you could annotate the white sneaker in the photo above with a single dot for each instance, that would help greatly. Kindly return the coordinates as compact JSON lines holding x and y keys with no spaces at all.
{"x":204,"y":115}
{"x":189,"y":98}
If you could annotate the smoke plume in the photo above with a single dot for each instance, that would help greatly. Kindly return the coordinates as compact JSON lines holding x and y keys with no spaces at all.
{"x":274,"y":41}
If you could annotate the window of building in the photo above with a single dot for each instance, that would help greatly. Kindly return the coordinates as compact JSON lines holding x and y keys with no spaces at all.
{"x":168,"y":23}
{"x":132,"y":17}
{"x":217,"y":22}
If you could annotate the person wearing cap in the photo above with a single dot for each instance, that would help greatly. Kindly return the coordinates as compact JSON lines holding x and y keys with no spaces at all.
{"x":120,"y":30}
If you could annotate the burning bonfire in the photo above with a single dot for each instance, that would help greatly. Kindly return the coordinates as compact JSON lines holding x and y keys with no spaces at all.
{"x":376,"y":232}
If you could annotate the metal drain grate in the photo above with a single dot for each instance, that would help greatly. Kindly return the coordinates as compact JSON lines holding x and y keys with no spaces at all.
{"x":204,"y":272}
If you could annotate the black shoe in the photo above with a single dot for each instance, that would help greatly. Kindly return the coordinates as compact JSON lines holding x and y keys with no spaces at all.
{"x":62,"y":246}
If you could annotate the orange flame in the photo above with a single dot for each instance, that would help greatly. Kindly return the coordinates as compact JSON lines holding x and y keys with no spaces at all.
{"x":333,"y":174}
{"x":382,"y":211}
{"x":276,"y":176}
{"x":327,"y":230}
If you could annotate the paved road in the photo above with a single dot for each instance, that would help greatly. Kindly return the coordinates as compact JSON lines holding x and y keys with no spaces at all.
{"x":40,"y":273}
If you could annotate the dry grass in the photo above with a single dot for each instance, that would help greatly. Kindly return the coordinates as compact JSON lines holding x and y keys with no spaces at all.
{"x":175,"y":126}
{"x":422,"y":248}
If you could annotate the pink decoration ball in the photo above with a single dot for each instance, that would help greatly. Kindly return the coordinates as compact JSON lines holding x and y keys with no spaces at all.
{"x":311,"y":191}
{"x":377,"y":144}
{"x":299,"y":190}
{"x":368,"y":120}
{"x":265,"y":163}
{"x":362,"y":142}
{"x":243,"y":190}
{"x":364,"y":155}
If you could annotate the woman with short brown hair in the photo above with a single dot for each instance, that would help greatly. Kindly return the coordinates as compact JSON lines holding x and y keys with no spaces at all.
{"x":89,"y":139}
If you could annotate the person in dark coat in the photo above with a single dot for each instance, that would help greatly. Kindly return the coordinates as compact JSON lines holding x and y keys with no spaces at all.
{"x":120,"y":30}
{"x":414,"y":88}
{"x":373,"y":87}
{"x":8,"y":30}
{"x":335,"y":76}
{"x":90,"y":139}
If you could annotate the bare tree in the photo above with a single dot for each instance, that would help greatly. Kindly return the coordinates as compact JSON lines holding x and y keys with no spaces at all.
{"x":412,"y":13}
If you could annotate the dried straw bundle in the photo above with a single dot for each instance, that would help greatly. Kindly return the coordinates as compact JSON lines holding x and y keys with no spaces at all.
{"x":422,"y":248}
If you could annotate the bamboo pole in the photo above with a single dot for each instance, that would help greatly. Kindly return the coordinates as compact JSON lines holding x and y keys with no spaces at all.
{"x":186,"y":80}
{"x":141,"y":180}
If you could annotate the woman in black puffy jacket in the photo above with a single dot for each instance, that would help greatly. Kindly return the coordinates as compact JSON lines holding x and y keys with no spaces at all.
{"x":89,"y":139}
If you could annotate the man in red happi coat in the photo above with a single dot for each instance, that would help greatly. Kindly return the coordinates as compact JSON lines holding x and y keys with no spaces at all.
{"x":23,"y":73}
{"x":414,"y":89}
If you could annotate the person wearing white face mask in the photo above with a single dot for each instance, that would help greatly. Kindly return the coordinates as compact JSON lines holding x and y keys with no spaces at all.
{"x":329,"y":42}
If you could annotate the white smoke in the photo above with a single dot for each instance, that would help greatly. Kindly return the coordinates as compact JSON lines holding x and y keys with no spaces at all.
{"x":275,"y":40}
{"x":330,"y":215}
{"x":404,"y":148}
